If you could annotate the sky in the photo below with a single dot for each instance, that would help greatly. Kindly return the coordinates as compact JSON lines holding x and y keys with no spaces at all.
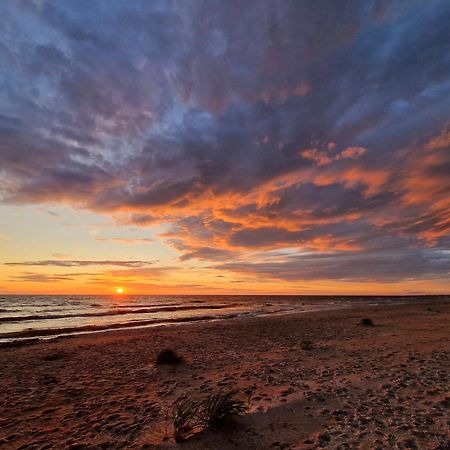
{"x":221,"y":146}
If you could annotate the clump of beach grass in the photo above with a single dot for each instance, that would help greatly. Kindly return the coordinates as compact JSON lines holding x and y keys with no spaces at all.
{"x":185,"y":415}
{"x":306,"y":345}
{"x":169,"y":357}
{"x":220,"y":407}
{"x":214,"y":411}
{"x":56,"y":356}
{"x":367,"y":322}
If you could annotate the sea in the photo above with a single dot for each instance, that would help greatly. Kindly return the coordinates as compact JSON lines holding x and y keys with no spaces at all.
{"x":35,"y":317}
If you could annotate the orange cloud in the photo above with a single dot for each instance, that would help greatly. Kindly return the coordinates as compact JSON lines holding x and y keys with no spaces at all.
{"x":440,"y":141}
{"x":352,"y":152}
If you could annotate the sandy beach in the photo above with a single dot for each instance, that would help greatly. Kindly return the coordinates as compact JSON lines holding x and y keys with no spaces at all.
{"x":382,"y":386}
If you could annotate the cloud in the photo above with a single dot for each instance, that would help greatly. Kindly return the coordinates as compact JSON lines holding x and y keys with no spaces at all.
{"x":352,"y":152}
{"x":381,"y":266}
{"x":206,"y":253}
{"x":126,"y":240}
{"x":46,"y":278}
{"x":145,"y":272}
{"x":440,"y":141}
{"x":236,"y":129}
{"x":60,"y":255}
{"x":81,"y":263}
{"x":41,"y":278}
{"x":323,"y":157}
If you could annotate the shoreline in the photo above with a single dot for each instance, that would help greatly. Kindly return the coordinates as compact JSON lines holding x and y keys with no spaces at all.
{"x":33,"y":336}
{"x":360,"y":386}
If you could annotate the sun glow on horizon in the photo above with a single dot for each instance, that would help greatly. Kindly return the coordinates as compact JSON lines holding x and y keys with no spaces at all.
{"x":120,"y":290}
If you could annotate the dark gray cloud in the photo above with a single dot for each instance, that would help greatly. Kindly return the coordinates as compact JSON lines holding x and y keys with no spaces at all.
{"x":200,"y":252}
{"x":381,"y":266}
{"x":308,"y":125}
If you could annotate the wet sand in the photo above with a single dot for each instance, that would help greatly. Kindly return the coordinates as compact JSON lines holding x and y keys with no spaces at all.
{"x":386,"y":386}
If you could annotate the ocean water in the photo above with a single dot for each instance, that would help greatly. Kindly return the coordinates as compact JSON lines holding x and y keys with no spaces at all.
{"x":48,"y":316}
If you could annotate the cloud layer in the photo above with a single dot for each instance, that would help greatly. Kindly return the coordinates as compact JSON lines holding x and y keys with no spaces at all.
{"x":80,"y":263}
{"x":294,"y":140}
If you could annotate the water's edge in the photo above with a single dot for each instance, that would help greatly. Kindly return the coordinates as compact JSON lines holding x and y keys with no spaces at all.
{"x":30,"y":319}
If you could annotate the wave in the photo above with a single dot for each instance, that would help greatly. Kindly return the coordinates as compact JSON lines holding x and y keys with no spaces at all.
{"x":117,"y":312}
{"x":30,"y":333}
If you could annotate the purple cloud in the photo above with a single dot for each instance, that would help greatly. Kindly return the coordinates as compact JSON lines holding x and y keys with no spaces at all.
{"x":237,"y":128}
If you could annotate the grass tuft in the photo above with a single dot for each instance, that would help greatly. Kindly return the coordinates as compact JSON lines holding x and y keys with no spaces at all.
{"x":190,"y":416}
{"x":54,"y":356}
{"x":367,"y":322}
{"x":220,"y":407}
{"x":306,"y":345}
{"x":185,"y":418}
{"x":169,"y":357}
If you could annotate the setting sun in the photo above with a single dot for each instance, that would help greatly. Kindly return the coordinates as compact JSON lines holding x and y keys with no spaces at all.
{"x":119,"y":290}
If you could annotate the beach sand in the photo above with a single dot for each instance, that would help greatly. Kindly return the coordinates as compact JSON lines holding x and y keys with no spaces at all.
{"x":386,"y":386}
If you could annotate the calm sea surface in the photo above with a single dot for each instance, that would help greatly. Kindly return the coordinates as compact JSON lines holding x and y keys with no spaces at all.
{"x":30,"y":317}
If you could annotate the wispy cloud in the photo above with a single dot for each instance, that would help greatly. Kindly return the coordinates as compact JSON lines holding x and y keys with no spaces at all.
{"x":60,"y":255}
{"x":126,"y":240}
{"x":81,"y":263}
{"x":44,"y":278}
{"x":41,"y":278}
{"x":145,"y":272}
